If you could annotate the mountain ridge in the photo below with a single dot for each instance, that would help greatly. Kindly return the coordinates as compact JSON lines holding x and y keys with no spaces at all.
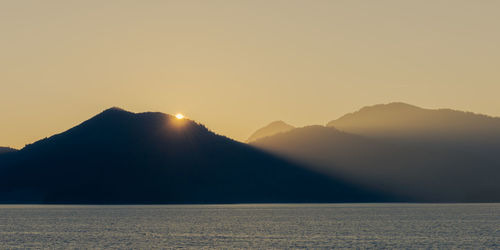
{"x":270,"y":129}
{"x":403,"y":121}
{"x":120,"y":157}
{"x":4,"y":150}
{"x":412,"y":156}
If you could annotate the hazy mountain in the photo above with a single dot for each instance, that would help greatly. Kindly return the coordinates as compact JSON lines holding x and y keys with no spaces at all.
{"x":123,"y":157}
{"x":418,"y":159}
{"x":271,"y":129}
{"x":6,"y":150}
{"x":402,"y":121}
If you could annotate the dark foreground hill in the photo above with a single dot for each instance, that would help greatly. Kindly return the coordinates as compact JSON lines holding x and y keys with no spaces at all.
{"x":123,"y":157}
{"x":404,"y":150}
{"x":6,"y":150}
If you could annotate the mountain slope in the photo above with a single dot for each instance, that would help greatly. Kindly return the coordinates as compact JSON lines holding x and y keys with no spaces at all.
{"x":422,"y":163}
{"x":402,"y":121}
{"x":269,"y":130}
{"x":7,"y":150}
{"x":123,"y":157}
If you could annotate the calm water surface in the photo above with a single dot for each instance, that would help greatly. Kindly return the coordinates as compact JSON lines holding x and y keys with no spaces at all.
{"x":252,"y":226}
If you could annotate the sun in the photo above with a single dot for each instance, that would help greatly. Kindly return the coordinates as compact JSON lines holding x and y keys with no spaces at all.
{"x":179,"y":116}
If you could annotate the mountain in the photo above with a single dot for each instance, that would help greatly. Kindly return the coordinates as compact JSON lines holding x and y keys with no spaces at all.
{"x":402,"y":121}
{"x":123,"y":157}
{"x":269,"y":130}
{"x":7,"y":150}
{"x":416,"y":159}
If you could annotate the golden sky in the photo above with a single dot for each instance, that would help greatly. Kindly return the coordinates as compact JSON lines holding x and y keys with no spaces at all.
{"x":237,"y":65}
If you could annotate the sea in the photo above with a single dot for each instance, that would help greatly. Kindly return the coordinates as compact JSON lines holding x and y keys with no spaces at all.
{"x":250,"y":226}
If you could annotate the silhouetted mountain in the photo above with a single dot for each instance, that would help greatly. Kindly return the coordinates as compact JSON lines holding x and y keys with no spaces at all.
{"x":413,"y":161}
{"x":123,"y":157}
{"x":271,"y":129}
{"x":7,"y":150}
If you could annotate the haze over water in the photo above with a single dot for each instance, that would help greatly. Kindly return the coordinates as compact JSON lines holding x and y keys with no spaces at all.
{"x":252,"y":226}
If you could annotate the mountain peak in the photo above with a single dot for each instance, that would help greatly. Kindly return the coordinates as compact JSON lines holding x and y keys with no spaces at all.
{"x":378,"y":113}
{"x":114,"y":110}
{"x":278,"y":123}
{"x":401,"y":120}
{"x":117,"y":111}
{"x":112,"y":113}
{"x":393,"y":106}
{"x":272,"y":128}
{"x":116,"y":124}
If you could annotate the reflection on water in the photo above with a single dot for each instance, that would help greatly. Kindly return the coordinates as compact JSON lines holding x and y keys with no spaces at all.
{"x":254,"y":226}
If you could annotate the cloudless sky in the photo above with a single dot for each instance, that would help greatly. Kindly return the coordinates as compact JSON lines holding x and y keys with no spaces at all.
{"x":237,"y":65}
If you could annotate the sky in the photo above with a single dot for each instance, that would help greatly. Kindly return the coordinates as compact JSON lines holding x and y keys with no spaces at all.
{"x":237,"y":65}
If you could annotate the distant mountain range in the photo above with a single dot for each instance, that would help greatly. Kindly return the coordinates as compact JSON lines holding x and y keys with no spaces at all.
{"x":389,"y":152}
{"x":269,"y":130}
{"x":429,"y":155}
{"x":122,"y":157}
